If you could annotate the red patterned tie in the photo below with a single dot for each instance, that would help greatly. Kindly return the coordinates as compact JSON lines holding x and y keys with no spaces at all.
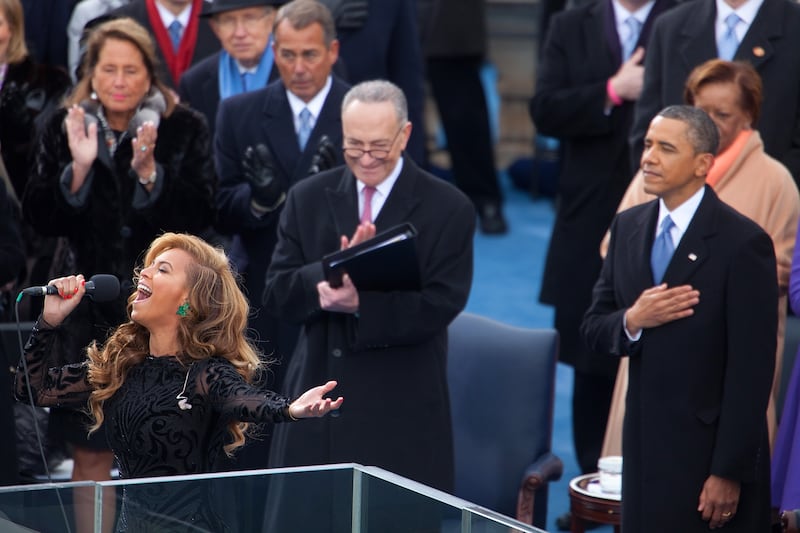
{"x":366,"y":214}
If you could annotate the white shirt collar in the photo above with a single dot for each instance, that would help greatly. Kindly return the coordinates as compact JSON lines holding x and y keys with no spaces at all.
{"x":747,"y":12}
{"x":621,"y":14}
{"x":384,"y":187}
{"x":167,"y":17}
{"x":314,"y":105}
{"x":681,"y":216}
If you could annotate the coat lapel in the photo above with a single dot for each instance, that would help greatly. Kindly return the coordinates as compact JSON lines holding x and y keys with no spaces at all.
{"x":278,"y":128}
{"x":699,"y":41}
{"x":639,"y":244}
{"x":692,"y":251}
{"x":403,"y":198}
{"x":757,"y":44}
{"x":343,"y":204}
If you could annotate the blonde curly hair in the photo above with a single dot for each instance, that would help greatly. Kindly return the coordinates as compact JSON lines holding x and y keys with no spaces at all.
{"x":215,"y":326}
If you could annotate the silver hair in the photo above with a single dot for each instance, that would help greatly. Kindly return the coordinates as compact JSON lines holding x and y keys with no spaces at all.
{"x":378,"y":91}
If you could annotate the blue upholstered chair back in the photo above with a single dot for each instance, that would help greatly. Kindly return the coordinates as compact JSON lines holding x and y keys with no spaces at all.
{"x":502,"y":383}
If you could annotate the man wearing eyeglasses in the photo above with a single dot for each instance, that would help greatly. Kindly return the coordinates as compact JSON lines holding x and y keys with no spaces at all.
{"x":373,"y":341}
{"x":267,"y":140}
{"x":246,"y":62}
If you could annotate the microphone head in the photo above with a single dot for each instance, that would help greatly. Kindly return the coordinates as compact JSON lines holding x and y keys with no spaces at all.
{"x":102,"y":287}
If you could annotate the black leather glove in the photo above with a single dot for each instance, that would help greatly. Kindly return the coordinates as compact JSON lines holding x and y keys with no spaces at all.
{"x":324,"y":158}
{"x":267,"y":190}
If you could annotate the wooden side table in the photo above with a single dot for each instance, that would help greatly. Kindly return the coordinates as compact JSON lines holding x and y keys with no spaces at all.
{"x":588,"y":504}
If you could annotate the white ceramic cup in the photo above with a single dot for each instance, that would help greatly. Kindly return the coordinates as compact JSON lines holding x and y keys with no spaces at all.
{"x":610,"y":468}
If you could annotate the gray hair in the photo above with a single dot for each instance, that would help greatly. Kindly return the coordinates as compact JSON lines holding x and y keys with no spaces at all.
{"x":702,"y":132}
{"x":303,"y":13}
{"x":378,"y":91}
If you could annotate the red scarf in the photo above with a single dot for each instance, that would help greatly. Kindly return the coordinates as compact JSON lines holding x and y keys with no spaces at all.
{"x":179,"y":61}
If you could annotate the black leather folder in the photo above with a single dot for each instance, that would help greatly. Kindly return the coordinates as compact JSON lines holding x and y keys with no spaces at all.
{"x":386,"y":262}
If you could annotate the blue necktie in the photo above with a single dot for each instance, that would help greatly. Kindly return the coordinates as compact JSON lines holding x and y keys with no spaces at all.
{"x":728,"y":42}
{"x":305,"y":128}
{"x":175,"y":34}
{"x":245,"y":77}
{"x":634,"y":28}
{"x":662,"y":250}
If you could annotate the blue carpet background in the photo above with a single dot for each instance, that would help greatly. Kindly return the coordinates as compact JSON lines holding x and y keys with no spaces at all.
{"x":508,"y":273}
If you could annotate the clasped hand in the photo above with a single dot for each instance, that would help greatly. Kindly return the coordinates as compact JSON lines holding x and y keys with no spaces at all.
{"x":659,"y":305}
{"x":344,"y":299}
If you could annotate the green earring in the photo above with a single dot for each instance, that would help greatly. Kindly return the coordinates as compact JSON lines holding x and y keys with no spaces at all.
{"x":183,"y":309}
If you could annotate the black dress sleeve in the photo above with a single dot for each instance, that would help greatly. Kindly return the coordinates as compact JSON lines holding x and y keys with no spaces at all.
{"x":51,"y":386}
{"x":235,"y":399}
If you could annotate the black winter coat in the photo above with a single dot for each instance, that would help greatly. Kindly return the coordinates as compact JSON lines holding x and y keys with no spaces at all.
{"x":119,"y":218}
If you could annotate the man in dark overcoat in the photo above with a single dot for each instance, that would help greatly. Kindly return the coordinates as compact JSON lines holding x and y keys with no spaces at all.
{"x":689,"y":292}
{"x":374,"y":342}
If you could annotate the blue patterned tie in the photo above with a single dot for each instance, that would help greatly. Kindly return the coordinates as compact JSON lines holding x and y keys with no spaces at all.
{"x":728,"y":42}
{"x":175,"y":34}
{"x":662,"y":250}
{"x":305,"y":128}
{"x":634,"y":28}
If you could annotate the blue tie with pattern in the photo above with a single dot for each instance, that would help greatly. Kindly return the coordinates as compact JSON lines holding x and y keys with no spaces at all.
{"x":175,"y":34}
{"x":728,"y":42}
{"x":663,"y":248}
{"x":305,"y":128}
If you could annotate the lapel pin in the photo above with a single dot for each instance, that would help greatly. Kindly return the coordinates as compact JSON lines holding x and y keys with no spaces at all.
{"x":692,"y":257}
{"x":758,"y":51}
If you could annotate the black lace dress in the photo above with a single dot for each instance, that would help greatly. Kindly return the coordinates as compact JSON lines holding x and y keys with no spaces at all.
{"x":151,"y":435}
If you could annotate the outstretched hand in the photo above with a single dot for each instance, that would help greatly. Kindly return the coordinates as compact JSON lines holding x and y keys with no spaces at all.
{"x":312,"y":403}
{"x":70,"y":292}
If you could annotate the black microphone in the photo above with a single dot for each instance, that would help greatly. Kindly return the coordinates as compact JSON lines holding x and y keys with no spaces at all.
{"x":100,"y":288}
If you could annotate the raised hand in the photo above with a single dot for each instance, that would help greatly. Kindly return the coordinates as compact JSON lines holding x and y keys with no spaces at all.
{"x":70,"y":292}
{"x":267,"y":190}
{"x":312,"y":404}
{"x":82,"y":141}
{"x":324,"y":158}
{"x":143,"y":161}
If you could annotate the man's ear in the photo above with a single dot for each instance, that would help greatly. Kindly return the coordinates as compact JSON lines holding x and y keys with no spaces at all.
{"x":703,"y":164}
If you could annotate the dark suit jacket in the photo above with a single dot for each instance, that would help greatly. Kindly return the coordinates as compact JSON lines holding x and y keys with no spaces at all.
{"x":388,"y":47}
{"x":397,"y":342}
{"x":582,"y":51}
{"x":264,"y":116}
{"x":199,"y":87}
{"x":207,"y":42}
{"x":685,"y":38}
{"x":698,"y":389}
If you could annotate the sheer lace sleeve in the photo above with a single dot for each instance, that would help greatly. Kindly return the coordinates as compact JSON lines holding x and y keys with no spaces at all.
{"x":231,"y":396}
{"x":51,"y":386}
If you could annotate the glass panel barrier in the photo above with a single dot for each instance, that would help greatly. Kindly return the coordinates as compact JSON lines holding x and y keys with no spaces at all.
{"x":344,"y":498}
